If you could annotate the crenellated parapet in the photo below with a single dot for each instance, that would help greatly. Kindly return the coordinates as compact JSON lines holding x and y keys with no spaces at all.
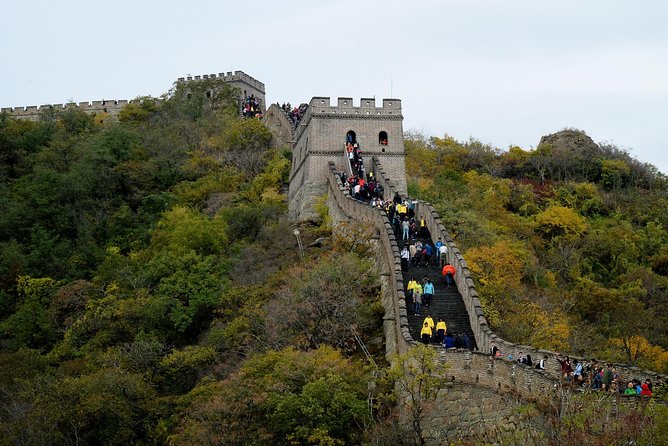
{"x":230,"y":76}
{"x":33,"y":112}
{"x":366,"y":108}
{"x":245,"y":84}
{"x":501,"y":375}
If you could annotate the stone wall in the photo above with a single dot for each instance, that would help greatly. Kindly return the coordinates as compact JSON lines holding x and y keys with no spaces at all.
{"x":281,"y":126}
{"x":33,"y":113}
{"x":484,"y":394}
{"x":246,"y":84}
{"x":467,"y":411}
{"x":395,"y":321}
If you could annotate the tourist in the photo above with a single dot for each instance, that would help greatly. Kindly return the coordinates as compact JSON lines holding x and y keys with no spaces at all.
{"x":441,"y":328}
{"x":428,"y":290}
{"x":449,"y":273}
{"x":425,"y":334}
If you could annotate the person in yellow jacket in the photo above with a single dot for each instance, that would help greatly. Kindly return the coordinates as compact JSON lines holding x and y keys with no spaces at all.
{"x":441,"y":328}
{"x":430,"y":321}
{"x":409,"y":290}
{"x":425,"y":334}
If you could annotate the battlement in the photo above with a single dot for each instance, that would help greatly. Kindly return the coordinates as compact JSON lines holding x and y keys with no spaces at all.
{"x":344,"y":106}
{"x":111,"y":106}
{"x":230,"y":76}
{"x":82,"y":105}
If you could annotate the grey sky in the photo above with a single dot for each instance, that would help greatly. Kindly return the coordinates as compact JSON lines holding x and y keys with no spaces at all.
{"x":504,"y":72}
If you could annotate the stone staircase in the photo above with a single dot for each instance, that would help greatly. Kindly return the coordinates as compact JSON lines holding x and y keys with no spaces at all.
{"x":446,"y":303}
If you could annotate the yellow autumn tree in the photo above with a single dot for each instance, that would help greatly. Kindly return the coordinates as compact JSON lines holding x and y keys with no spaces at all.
{"x":638,"y":351}
{"x":529,"y":323}
{"x":498,"y":270}
{"x":560,"y":221}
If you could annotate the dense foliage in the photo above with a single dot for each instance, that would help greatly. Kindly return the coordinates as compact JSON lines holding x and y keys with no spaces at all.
{"x":568,"y":242}
{"x":151,"y":290}
{"x":150,"y":284}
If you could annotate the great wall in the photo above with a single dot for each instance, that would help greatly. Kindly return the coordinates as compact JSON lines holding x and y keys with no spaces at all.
{"x":246,"y":85}
{"x":498,"y":384}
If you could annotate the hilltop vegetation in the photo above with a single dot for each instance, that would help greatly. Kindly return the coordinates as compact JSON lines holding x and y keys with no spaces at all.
{"x":151,"y":290}
{"x":568,"y":242}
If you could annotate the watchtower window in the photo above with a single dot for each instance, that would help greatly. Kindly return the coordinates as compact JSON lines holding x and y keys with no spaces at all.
{"x":351,"y":137}
{"x":382,"y":138}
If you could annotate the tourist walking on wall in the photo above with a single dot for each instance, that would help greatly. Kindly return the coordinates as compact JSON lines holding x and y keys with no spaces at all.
{"x":429,"y":321}
{"x":428,"y":290}
{"x":441,"y":328}
{"x":405,"y":226}
{"x":442,"y":255}
{"x":449,"y":273}
{"x":410,"y":296}
{"x":425,"y":334}
{"x":405,"y":257}
{"x":417,"y":297}
{"x":437,"y":251}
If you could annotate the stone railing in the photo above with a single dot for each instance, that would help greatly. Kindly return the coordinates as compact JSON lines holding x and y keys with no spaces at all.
{"x":395,"y":321}
{"x":464,"y":366}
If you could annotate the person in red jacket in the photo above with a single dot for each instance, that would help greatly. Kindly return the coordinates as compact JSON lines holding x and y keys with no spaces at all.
{"x":645,"y":390}
{"x":449,"y":273}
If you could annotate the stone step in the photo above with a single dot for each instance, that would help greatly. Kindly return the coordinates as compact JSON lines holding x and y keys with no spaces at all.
{"x":446,"y":302}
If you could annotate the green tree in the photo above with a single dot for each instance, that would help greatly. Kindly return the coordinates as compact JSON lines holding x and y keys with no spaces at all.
{"x":280,"y":397}
{"x":318,"y":306}
{"x":418,"y":378}
{"x":614,"y":173}
{"x":32,"y":325}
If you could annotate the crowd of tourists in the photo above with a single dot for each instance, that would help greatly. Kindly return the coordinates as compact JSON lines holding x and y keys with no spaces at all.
{"x":593,"y":375}
{"x":438,"y":333}
{"x":295,"y":114}
{"x":362,"y":185}
{"x":251,"y":107}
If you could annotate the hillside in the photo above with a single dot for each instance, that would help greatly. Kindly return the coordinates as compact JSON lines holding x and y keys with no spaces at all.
{"x":568,"y":242}
{"x":152,"y":292}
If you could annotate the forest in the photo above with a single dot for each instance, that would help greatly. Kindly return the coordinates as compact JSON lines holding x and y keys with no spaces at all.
{"x":568,"y":242}
{"x":152,"y":292}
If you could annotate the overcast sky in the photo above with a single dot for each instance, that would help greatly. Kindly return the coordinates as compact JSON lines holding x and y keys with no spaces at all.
{"x":504,"y":72}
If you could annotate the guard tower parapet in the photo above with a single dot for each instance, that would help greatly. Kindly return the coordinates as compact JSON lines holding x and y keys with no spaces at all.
{"x":321,"y":137}
{"x":247,"y":85}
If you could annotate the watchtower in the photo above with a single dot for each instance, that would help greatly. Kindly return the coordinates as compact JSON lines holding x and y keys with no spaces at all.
{"x":321,"y":137}
{"x":245,"y":84}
